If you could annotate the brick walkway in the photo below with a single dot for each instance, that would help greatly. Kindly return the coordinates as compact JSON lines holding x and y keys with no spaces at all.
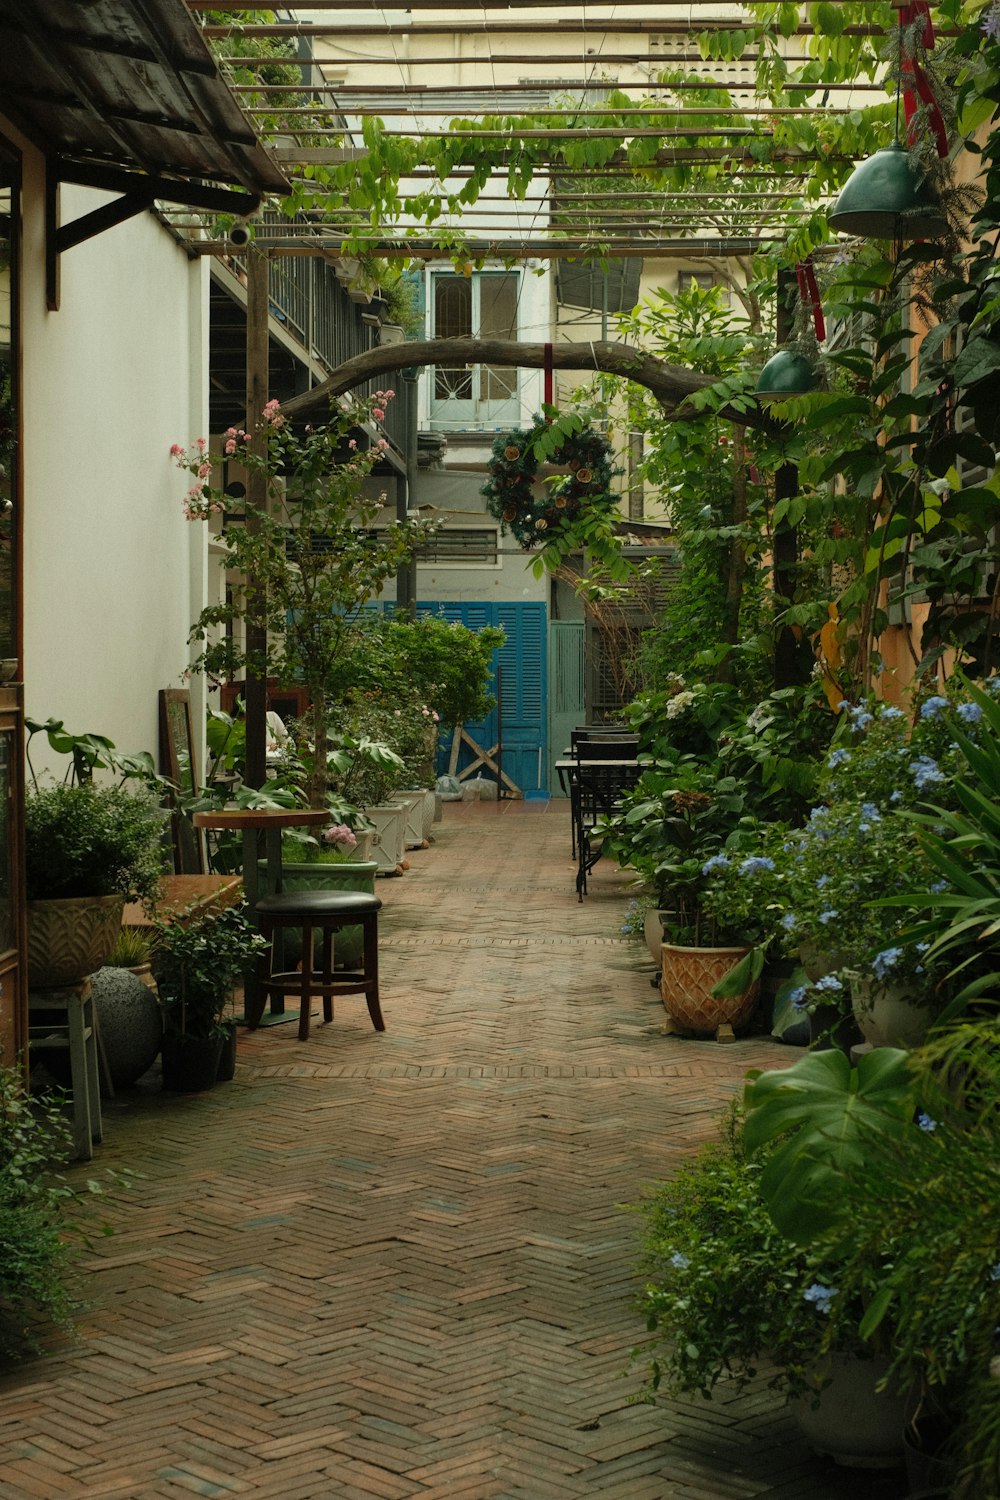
{"x":382,"y":1266}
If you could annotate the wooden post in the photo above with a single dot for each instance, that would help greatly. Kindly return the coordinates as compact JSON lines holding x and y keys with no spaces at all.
{"x":256,"y":500}
{"x":786,"y":538}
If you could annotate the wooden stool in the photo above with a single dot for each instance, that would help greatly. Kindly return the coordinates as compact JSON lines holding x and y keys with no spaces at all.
{"x":65,"y":1020}
{"x":326,"y":912}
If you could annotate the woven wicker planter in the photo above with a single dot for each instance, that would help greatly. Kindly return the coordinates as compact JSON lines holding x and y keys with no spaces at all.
{"x":687,"y":978}
{"x":71,"y":938}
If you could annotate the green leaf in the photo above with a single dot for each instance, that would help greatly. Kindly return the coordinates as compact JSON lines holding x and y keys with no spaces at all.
{"x":741,"y":976}
{"x":979,"y":358}
{"x":828,"y":1116}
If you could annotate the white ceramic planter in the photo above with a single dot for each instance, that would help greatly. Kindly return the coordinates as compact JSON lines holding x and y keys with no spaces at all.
{"x":413,"y":830}
{"x":388,"y":821}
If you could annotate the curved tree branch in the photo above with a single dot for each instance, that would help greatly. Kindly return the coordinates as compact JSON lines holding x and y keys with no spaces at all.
{"x":670,"y":384}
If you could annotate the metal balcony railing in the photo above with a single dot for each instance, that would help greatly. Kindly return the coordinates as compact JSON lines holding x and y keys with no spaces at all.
{"x":314,"y":307}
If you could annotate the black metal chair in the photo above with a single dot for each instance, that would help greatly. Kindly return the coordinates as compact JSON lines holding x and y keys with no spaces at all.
{"x":587,"y":748}
{"x":598,"y":791}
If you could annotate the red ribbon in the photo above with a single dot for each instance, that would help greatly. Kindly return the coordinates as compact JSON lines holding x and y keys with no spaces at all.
{"x":919,"y":89}
{"x":916,"y":86}
{"x":805,"y":275}
{"x":919,"y":10}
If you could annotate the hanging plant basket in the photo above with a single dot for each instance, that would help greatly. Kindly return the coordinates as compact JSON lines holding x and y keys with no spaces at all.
{"x":537,"y":515}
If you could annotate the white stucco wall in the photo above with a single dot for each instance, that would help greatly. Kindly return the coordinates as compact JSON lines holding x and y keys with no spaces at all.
{"x":113,"y":575}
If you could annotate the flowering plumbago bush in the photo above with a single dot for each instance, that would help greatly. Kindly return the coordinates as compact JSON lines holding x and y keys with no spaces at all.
{"x":727,"y":1295}
{"x":311,"y":559}
{"x":880,"y":756}
{"x":668,"y":829}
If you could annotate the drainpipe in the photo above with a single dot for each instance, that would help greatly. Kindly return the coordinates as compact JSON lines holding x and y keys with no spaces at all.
{"x":406,"y":490}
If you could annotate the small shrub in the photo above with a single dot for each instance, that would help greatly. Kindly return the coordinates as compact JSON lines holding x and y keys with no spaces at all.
{"x":37,"y":1243}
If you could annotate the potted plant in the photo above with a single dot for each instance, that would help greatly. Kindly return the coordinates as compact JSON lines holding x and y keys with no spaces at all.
{"x":199,"y":958}
{"x":673,"y":829}
{"x":89,"y":848}
{"x":311,"y":560}
{"x":887,"y":1169}
{"x":728,"y":1297}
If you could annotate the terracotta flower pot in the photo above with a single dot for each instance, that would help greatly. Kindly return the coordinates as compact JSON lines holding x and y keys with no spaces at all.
{"x":687,"y":978}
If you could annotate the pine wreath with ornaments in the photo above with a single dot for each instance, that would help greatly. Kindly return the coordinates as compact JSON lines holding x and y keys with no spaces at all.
{"x":537,"y":518}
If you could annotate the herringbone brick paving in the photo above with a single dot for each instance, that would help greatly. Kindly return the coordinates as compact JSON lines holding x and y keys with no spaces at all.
{"x":382,"y":1266}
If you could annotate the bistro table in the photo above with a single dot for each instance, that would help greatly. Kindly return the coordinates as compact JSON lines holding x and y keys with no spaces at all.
{"x":251,"y":822}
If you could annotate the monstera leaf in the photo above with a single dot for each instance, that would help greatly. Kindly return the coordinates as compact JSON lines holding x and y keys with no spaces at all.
{"x":825,"y":1118}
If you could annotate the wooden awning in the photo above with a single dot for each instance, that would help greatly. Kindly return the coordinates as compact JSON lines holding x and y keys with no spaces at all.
{"x":124,"y":94}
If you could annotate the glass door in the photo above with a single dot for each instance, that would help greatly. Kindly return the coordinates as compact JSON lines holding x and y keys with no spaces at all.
{"x":484,"y":306}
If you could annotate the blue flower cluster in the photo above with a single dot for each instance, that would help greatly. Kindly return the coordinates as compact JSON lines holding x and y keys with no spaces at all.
{"x":821,"y":1296}
{"x":717,"y":862}
{"x":933,"y":706}
{"x":885,"y":963}
{"x":926,"y":772}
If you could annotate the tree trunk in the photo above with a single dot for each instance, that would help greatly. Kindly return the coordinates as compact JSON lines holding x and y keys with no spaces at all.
{"x":670,"y":384}
{"x":316,"y":786}
{"x":737,"y":554}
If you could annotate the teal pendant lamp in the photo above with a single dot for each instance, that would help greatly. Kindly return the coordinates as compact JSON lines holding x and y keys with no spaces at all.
{"x":887,"y":197}
{"x":786,"y":374}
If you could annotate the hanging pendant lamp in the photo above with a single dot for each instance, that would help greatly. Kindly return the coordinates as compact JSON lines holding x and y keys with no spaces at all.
{"x":887,"y":197}
{"x":786,"y":374}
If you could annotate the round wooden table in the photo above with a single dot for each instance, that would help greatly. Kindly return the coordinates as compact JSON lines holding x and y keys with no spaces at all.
{"x":251,"y":821}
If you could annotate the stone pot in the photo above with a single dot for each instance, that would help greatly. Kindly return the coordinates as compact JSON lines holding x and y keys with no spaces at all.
{"x":687,"y":977}
{"x":413,"y":823}
{"x":652,"y":931}
{"x":817,"y":961}
{"x":130,"y":1023}
{"x":888,"y":1015}
{"x":71,"y":938}
{"x":852,"y":1422}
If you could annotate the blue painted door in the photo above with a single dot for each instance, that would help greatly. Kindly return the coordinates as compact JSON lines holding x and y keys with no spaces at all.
{"x":519,"y":722}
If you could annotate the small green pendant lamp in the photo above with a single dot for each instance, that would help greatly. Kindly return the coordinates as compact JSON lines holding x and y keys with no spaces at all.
{"x":786,"y":374}
{"x":887,"y":197}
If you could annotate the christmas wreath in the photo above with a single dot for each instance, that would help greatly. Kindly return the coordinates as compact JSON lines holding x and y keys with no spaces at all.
{"x":539,"y":517}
